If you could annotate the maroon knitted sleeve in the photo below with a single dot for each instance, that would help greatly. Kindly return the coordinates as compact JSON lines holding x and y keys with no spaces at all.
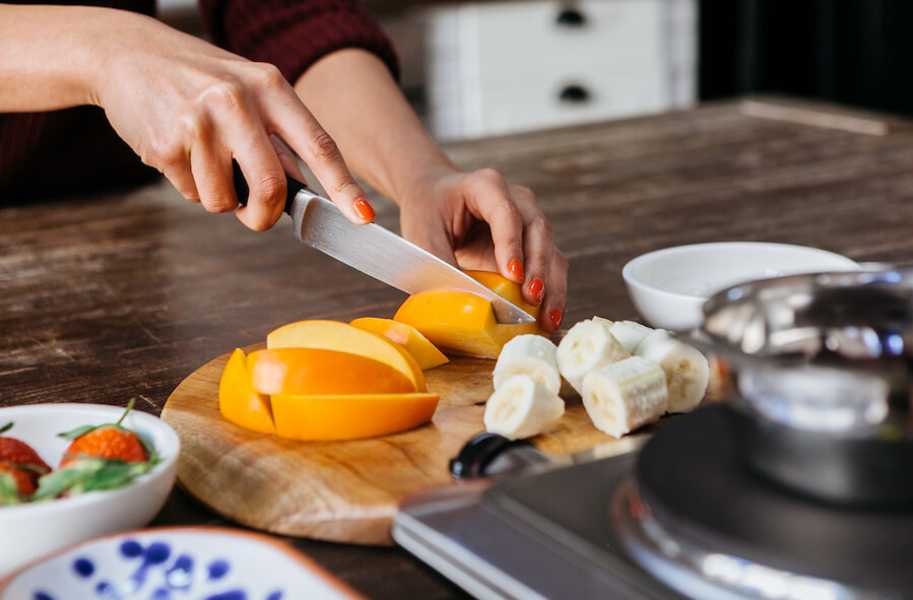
{"x":294,"y":34}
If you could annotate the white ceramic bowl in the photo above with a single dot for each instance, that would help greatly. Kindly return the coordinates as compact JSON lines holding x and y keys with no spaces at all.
{"x":669,"y":286}
{"x":33,"y":530}
{"x":177,"y":562}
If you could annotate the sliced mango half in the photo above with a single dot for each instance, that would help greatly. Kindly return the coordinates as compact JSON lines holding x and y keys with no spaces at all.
{"x":425,"y":353}
{"x":463,"y":322}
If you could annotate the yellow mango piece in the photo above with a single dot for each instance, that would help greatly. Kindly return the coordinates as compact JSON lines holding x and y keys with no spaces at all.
{"x":342,"y":337}
{"x":239,"y":402}
{"x":420,"y":347}
{"x":318,"y":371}
{"x":463,"y":322}
{"x":338,"y":417}
{"x":505,"y":288}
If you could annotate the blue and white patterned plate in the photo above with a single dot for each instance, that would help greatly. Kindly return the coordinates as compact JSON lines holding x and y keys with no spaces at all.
{"x":180,"y":563}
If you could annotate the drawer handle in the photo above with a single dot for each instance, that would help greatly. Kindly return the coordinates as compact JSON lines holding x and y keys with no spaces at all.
{"x":570,"y":17}
{"x":574,"y":94}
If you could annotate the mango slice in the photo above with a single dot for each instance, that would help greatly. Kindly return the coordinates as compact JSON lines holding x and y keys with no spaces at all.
{"x":420,"y":347}
{"x":342,"y":337}
{"x":239,"y":402}
{"x":316,"y":371}
{"x":333,"y":417}
{"x":463,"y":322}
{"x":505,"y":288}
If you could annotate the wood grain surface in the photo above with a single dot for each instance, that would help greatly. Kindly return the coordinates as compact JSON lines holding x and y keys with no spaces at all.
{"x":337,"y":491}
{"x":124,"y":293}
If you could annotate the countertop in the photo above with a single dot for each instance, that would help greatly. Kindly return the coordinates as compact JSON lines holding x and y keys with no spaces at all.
{"x":120,"y":295}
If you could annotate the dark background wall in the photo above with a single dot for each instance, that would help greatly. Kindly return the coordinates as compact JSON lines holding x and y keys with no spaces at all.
{"x":857,"y":52}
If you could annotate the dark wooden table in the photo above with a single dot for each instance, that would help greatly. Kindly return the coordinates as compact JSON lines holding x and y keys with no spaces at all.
{"x":117,"y":296}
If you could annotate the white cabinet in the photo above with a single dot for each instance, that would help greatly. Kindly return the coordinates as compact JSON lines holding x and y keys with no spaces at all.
{"x":508,"y":66}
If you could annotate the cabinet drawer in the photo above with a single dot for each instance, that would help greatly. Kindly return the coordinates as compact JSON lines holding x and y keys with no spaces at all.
{"x":568,"y":100}
{"x":519,"y":42}
{"x":498,"y":67}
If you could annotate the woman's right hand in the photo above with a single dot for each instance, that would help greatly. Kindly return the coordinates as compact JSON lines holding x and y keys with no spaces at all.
{"x":188,"y":108}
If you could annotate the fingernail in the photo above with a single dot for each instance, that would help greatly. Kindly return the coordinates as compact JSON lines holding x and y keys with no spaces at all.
{"x":555,"y":317}
{"x":536,"y":287}
{"x":363,"y":209}
{"x":515,"y":268}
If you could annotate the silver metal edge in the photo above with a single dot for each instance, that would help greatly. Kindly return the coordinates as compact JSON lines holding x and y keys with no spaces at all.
{"x":678,"y":563}
{"x":479,"y":578}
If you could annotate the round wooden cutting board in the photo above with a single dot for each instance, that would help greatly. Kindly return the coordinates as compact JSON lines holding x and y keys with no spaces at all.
{"x":340,"y":491}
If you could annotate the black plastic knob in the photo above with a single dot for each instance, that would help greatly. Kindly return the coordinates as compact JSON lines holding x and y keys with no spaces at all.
{"x":570,"y":17}
{"x":574,"y":93}
{"x":479,"y":452}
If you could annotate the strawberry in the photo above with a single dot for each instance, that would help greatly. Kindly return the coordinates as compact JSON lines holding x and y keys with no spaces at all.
{"x":99,"y":457}
{"x":16,"y":484}
{"x":109,"y":441}
{"x":16,"y":452}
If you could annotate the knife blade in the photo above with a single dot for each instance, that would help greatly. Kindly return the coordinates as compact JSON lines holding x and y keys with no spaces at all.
{"x":378,"y":252}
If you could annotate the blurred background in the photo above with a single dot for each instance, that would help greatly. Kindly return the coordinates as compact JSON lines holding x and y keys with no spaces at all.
{"x":476,"y":69}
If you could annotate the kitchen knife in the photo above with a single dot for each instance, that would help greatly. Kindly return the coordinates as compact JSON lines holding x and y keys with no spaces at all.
{"x":377,"y":251}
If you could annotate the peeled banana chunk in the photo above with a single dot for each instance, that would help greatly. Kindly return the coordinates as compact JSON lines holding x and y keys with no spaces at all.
{"x":625,"y":395}
{"x":587,"y":346}
{"x":686,"y":368}
{"x":521,"y":407}
{"x":531,"y":355}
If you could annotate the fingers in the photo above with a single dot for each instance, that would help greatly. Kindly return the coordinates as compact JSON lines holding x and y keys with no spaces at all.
{"x":546,"y":277}
{"x":245,"y":135}
{"x":538,"y":245}
{"x":297,"y":126}
{"x":181,"y":177}
{"x":230,"y":129}
{"x":265,"y":178}
{"x":552,"y":311}
{"x":210,"y":163}
{"x":489,"y":199}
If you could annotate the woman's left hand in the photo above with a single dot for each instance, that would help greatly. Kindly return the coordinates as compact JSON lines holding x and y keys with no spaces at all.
{"x":478,"y":221}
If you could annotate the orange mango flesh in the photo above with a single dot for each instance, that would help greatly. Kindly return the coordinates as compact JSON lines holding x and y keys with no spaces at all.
{"x":333,"y":417}
{"x":239,"y":402}
{"x":342,"y":337}
{"x":463,"y":322}
{"x":505,"y":288}
{"x":420,"y":347}
{"x":316,"y":371}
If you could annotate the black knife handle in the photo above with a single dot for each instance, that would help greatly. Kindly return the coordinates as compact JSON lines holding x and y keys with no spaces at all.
{"x":243,"y":190}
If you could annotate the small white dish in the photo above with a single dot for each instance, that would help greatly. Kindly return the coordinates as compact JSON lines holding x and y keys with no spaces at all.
{"x":177,"y":562}
{"x":33,"y":530}
{"x":669,"y":286}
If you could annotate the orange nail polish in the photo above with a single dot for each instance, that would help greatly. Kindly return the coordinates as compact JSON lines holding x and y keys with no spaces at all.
{"x":555,"y":317}
{"x":515,"y":268}
{"x":536,"y":287}
{"x":363,"y":209}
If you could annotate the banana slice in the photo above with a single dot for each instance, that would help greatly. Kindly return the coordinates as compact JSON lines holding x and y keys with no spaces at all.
{"x":687,"y":370}
{"x":587,"y":346}
{"x":522,"y":408}
{"x":622,"y":396}
{"x":605,"y":322}
{"x":630,"y":334}
{"x":531,"y":355}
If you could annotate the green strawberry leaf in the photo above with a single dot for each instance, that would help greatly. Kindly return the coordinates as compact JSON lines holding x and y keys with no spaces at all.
{"x":37,"y":469}
{"x":53,"y":484}
{"x":151,"y":455}
{"x":89,"y":475}
{"x":9,"y":491}
{"x":84,"y":429}
{"x":78,"y":432}
{"x":6,"y":427}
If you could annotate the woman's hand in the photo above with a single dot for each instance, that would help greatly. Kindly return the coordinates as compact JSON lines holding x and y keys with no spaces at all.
{"x":479,"y":221}
{"x":188,"y":109}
